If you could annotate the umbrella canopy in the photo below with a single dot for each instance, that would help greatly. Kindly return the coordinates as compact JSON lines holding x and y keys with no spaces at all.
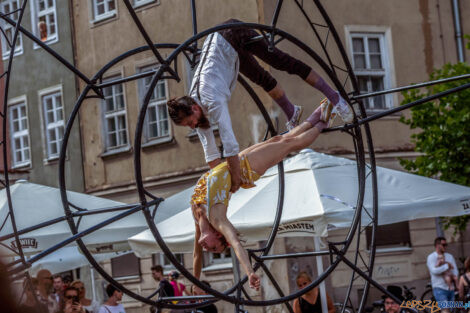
{"x":68,"y":258}
{"x":34,"y":204}
{"x":321,"y":193}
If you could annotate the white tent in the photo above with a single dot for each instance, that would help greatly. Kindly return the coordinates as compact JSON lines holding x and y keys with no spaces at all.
{"x":34,"y":204}
{"x":321,"y":193}
{"x":68,"y":258}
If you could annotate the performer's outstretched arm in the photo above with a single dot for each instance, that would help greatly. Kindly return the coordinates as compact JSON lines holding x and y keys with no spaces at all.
{"x":197,"y":254}
{"x":221,"y":223}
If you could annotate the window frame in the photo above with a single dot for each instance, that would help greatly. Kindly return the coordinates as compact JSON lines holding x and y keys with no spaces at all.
{"x":142,"y":89}
{"x":211,"y":260}
{"x":101,"y":17}
{"x":55,"y":90}
{"x":6,"y":26}
{"x":22,"y":100}
{"x":126,"y":277}
{"x":385,"y":230}
{"x":116,"y":113}
{"x":35,"y":23}
{"x":160,"y":259}
{"x":386,"y":51}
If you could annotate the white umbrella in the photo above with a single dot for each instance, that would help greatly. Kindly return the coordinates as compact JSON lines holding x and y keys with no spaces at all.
{"x":34,"y":204}
{"x":321,"y":192}
{"x":69,"y":258}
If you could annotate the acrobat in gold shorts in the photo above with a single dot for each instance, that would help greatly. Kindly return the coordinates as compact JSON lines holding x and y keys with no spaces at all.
{"x":214,"y":186}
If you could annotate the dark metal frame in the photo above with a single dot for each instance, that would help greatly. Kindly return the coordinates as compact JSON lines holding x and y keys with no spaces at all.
{"x":149,"y":203}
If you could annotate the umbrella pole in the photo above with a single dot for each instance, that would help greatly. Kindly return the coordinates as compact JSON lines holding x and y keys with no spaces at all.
{"x":92,"y":276}
{"x":324,"y":303}
{"x":236,"y":276}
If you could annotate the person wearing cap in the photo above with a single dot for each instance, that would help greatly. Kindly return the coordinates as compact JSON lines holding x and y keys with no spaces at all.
{"x":390,"y":305}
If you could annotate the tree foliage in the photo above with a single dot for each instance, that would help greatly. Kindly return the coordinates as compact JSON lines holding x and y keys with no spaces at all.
{"x":443,"y":135}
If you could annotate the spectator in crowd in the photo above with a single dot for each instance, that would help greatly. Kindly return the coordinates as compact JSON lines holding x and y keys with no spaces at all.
{"x":464,"y":282}
{"x":310,"y":302}
{"x":390,"y":305}
{"x":71,"y":302}
{"x":92,"y":306}
{"x":67,"y":279}
{"x":112,"y":305}
{"x":44,"y":290}
{"x":178,"y":288}
{"x":58,"y":285}
{"x":166,"y":289}
{"x":30,"y":304}
{"x":440,"y":289}
{"x":196,"y":291}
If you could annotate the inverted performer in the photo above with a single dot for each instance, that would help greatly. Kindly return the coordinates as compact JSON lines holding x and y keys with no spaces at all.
{"x":224,"y":54}
{"x":209,"y":202}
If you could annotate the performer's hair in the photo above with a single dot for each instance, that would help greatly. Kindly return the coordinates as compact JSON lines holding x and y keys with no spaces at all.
{"x":438,"y":240}
{"x":466,"y":264}
{"x":303,"y":274}
{"x":179,"y":108}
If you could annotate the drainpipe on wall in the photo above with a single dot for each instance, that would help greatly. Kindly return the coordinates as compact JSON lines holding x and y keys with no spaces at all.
{"x":458,"y":30}
{"x":439,"y":231}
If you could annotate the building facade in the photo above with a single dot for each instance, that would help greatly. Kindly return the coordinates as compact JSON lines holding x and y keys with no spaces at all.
{"x":390,"y":44}
{"x":41,"y":94}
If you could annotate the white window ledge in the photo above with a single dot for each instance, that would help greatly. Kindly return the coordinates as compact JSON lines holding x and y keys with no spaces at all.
{"x":158,"y":141}
{"x":145,"y":3}
{"x":47,"y":42}
{"x":393,"y":250}
{"x":129,"y":279}
{"x":218,"y":267}
{"x":22,"y":165}
{"x":104,"y":17}
{"x":116,"y":151}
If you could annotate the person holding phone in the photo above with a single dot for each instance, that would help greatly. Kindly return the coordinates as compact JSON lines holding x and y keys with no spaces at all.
{"x":71,"y":302}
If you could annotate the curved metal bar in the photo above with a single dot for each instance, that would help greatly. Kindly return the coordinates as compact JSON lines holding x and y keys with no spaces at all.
{"x":4,"y":129}
{"x":323,"y":46}
{"x":46,"y":47}
{"x":62,"y":184}
{"x":137,"y":167}
{"x":370,"y":145}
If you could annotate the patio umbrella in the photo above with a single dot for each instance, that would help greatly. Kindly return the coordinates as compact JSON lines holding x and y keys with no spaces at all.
{"x":321,"y":194}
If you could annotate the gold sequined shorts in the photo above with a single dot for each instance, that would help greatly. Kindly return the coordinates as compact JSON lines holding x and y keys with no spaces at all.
{"x":214,"y":186}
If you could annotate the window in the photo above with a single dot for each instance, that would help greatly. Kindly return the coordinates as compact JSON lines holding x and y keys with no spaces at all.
{"x":392,"y":235}
{"x":114,"y":107}
{"x":54,"y":123}
{"x":19,"y":133}
{"x":125,"y":266}
{"x":372,"y":68}
{"x":161,"y":259}
{"x":103,"y":9}
{"x":10,"y":8}
{"x":157,"y":125}
{"x":217,"y":258}
{"x":44,"y":19}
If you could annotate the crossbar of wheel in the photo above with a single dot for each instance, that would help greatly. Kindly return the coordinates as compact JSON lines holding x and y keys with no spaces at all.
{"x":63,"y":218}
{"x":408,"y":87}
{"x":399,"y":108}
{"x":292,"y":255}
{"x":75,"y":237}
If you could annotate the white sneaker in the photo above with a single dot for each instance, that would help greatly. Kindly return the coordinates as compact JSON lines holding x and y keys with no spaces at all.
{"x":294,"y":121}
{"x":328,"y":112}
{"x":344,"y":110}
